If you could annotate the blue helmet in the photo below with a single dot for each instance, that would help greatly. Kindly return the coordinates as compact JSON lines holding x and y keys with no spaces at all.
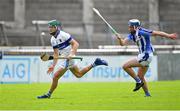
{"x":134,"y":22}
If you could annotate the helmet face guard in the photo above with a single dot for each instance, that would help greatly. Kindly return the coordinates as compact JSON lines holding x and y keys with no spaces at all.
{"x":56,"y":24}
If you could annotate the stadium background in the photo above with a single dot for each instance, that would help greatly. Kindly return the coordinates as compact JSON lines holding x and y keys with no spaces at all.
{"x":23,"y":21}
{"x":77,"y":15}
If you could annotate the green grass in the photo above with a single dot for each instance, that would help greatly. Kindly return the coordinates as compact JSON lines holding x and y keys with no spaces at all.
{"x":90,"y":96}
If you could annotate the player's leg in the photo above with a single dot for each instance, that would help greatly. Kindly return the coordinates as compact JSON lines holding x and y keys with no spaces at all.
{"x":141,"y":73}
{"x":54,"y":83}
{"x":129,"y":65}
{"x":128,"y":68}
{"x":59,"y":73}
{"x":79,"y":73}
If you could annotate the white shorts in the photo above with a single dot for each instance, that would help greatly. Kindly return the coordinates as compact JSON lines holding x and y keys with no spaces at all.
{"x":63,"y":63}
{"x":66,"y":63}
{"x":145,"y":58}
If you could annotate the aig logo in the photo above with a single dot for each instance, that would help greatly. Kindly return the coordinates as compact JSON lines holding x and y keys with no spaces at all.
{"x":15,"y":70}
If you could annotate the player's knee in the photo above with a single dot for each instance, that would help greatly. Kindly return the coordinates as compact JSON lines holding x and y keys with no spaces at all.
{"x":125,"y":66}
{"x":78,"y":75}
{"x":55,"y":78}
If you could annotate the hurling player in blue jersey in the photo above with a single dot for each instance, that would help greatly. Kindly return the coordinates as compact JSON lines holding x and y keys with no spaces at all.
{"x":65,"y":45}
{"x":142,"y":37}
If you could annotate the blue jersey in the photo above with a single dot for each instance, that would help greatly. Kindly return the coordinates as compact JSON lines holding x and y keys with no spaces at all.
{"x":142,"y":38}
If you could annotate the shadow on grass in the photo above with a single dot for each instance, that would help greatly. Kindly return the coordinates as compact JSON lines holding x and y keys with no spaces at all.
{"x":56,"y":98}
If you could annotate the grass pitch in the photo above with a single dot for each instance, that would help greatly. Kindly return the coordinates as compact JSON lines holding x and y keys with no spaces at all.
{"x":90,"y":96}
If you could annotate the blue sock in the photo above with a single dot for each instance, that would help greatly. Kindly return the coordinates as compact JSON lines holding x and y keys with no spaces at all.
{"x":93,"y":65}
{"x":147,"y":93}
{"x":49,"y":93}
{"x":137,"y":79}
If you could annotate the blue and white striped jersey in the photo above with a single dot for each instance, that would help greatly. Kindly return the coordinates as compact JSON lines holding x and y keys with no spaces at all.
{"x":61,"y":40}
{"x":142,"y":38}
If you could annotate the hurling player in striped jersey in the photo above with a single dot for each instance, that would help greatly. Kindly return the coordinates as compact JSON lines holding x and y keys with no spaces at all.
{"x":142,"y":38}
{"x":64,"y":44}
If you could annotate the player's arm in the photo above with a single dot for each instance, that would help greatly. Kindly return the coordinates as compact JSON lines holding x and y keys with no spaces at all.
{"x":74,"y":45}
{"x":164,"y":34}
{"x":122,"y":41}
{"x":56,"y":54}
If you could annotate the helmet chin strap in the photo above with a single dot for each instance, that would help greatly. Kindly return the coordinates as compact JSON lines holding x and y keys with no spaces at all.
{"x":135,"y":28}
{"x":56,"y":27}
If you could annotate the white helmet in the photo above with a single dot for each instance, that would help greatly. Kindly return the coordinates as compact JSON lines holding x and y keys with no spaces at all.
{"x":134,"y":22}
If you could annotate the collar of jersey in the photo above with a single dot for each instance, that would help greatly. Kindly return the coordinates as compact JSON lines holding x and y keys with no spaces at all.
{"x":57,"y":33}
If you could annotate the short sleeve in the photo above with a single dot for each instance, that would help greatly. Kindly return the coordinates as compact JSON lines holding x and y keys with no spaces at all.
{"x":65,"y":36}
{"x":145,"y":32}
{"x":129,"y":37}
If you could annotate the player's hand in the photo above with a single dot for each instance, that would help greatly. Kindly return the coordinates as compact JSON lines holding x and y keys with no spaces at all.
{"x":51,"y":68}
{"x":118,"y":35}
{"x":173,"y":36}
